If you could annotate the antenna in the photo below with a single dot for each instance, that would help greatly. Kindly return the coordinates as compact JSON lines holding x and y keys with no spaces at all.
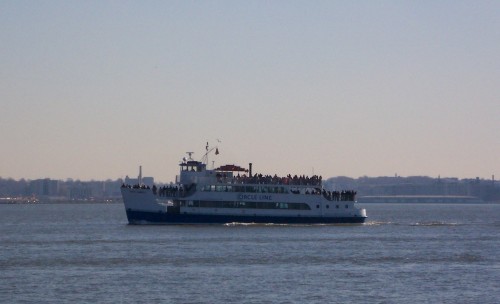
{"x":204,"y":159}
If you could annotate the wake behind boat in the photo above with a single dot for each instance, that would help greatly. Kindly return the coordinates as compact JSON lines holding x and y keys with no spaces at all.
{"x":231,"y":193}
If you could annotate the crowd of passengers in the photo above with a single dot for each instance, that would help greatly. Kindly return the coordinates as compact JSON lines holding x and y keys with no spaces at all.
{"x":314,"y":180}
{"x":171,"y":190}
{"x":137,"y":186}
{"x":344,"y":195}
{"x":179,"y":190}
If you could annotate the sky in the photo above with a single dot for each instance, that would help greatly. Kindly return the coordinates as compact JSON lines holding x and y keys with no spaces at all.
{"x":93,"y":89}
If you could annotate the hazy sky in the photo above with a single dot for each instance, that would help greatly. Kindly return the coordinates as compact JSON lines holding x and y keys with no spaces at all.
{"x":93,"y":89}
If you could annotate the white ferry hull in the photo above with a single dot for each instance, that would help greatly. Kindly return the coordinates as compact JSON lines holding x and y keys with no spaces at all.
{"x":143,"y":207}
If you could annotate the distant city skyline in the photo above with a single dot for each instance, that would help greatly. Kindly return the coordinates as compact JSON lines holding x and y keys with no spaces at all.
{"x":379,"y":188}
{"x":94,"y":89}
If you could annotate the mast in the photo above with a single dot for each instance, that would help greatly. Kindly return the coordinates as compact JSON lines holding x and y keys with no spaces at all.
{"x":204,"y":159}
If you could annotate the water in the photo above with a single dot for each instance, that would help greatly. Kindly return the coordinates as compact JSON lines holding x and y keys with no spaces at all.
{"x":87,"y":253}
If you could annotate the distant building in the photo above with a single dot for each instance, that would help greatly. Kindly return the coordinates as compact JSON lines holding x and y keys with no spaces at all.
{"x":78,"y":192}
{"x":420,"y":199}
{"x":44,"y":187}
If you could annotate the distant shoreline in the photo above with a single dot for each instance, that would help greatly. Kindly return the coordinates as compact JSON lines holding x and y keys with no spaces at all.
{"x":31,"y":201}
{"x":422,"y":199}
{"x":361,"y":201}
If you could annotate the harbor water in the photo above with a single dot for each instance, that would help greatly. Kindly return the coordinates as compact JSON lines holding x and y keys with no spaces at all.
{"x":412,"y":253}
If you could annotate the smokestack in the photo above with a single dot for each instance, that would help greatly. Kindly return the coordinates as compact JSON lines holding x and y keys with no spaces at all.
{"x":140,"y":175}
{"x":250,"y":169}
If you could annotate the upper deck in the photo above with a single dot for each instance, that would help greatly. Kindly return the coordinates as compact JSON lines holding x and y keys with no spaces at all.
{"x":232,"y":178}
{"x":195,"y":172}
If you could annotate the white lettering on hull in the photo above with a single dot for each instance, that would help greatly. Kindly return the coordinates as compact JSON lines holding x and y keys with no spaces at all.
{"x":255,"y":197}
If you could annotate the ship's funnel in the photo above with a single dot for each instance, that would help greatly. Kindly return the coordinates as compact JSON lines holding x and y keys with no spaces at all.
{"x":140,"y":175}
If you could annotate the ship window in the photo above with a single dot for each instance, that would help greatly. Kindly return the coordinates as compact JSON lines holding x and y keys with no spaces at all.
{"x":193,"y":203}
{"x":228,"y":205}
{"x":250,"y":189}
{"x":248,"y":205}
{"x":262,"y":205}
{"x":210,"y":204}
{"x":251,"y":205}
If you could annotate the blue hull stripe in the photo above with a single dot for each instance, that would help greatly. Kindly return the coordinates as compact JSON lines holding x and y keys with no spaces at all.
{"x":139,"y":217}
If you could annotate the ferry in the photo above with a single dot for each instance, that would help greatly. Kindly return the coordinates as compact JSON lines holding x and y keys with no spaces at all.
{"x":233,"y":194}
